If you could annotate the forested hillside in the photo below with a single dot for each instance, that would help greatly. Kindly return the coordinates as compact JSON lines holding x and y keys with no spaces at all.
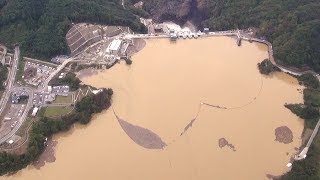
{"x":40,"y":26}
{"x":3,"y":76}
{"x":293,"y":26}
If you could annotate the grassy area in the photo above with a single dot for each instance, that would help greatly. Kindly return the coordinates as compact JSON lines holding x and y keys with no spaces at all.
{"x":54,"y":111}
{"x":41,"y":112}
{"x":63,"y":99}
{"x":21,"y":64}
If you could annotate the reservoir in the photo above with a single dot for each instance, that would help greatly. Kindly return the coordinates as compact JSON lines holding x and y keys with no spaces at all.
{"x":235,"y":111}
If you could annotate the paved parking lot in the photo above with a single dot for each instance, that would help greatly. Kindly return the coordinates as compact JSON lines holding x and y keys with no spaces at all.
{"x":38,"y":99}
{"x":12,"y":117}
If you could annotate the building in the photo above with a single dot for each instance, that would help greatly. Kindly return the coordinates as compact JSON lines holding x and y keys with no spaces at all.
{"x":206,"y":30}
{"x":15,"y":99}
{"x":59,"y":59}
{"x":49,"y":89}
{"x":62,"y":75}
{"x":34,"y":111}
{"x":30,"y":72}
{"x":48,"y":99}
{"x":114,"y":47}
{"x":158,"y":29}
{"x":173,"y":37}
{"x":60,"y":90}
{"x":7,"y":60}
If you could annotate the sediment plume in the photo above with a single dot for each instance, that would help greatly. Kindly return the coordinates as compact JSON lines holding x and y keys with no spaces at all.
{"x":142,"y":136}
{"x":48,"y":156}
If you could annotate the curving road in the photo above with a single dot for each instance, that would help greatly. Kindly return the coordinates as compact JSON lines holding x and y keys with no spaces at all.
{"x":23,"y":116}
{"x":11,"y":79}
{"x":12,"y":74}
{"x":54,"y":73}
{"x":6,"y":95}
{"x":303,"y":153}
{"x":289,"y":70}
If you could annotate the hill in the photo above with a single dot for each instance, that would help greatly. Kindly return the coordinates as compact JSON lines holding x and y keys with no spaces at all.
{"x":40,"y":26}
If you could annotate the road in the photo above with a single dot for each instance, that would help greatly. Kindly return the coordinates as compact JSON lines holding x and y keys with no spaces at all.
{"x":30,"y":92}
{"x":313,"y":134}
{"x":6,"y":95}
{"x":303,"y":153}
{"x":289,"y":70}
{"x":54,"y":73}
{"x":23,"y":116}
{"x":122,"y":3}
{"x":12,"y":74}
{"x":11,"y":78}
{"x":41,"y":62}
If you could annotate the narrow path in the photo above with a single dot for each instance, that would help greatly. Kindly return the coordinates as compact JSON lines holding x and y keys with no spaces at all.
{"x":122,"y":3}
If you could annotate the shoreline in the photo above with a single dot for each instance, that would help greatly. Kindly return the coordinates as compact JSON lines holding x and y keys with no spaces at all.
{"x":261,"y":75}
{"x":48,"y":155}
{"x":41,"y":151}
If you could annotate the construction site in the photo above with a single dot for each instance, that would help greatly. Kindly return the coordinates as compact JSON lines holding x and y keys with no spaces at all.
{"x":97,"y":44}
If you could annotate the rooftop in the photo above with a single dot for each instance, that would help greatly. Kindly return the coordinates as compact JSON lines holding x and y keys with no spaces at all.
{"x":115,"y":45}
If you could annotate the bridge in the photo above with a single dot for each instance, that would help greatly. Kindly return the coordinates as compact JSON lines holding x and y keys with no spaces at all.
{"x":303,"y":153}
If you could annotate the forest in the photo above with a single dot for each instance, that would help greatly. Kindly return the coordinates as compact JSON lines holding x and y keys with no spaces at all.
{"x":293,"y":27}
{"x":70,"y":79}
{"x":3,"y":76}
{"x":308,"y":168}
{"x":40,"y":26}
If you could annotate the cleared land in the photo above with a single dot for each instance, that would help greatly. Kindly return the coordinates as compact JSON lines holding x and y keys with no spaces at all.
{"x":63,"y":99}
{"x":54,"y":111}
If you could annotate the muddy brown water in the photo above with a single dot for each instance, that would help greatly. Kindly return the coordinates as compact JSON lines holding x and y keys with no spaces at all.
{"x":161,"y":91}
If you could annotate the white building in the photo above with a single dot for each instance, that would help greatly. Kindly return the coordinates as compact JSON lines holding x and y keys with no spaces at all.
{"x":114,"y":47}
{"x":34,"y":111}
{"x":49,"y":89}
